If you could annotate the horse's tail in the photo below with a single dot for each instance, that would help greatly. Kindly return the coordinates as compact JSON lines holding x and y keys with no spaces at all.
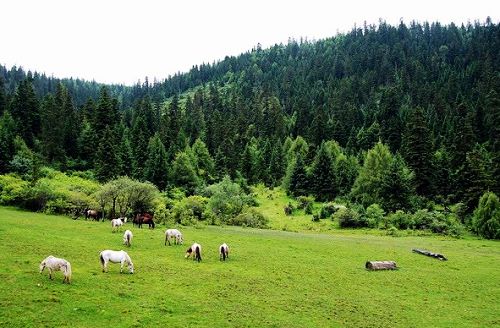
{"x":102,"y":259}
{"x":128,"y":239}
{"x":222,"y":252}
{"x":197,"y":253}
{"x":67,"y":274}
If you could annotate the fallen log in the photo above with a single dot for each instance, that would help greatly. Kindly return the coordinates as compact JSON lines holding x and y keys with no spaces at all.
{"x":431,"y":254}
{"x":381,"y":265}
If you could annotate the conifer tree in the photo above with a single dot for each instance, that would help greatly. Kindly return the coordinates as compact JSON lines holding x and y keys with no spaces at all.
{"x":156,"y":167}
{"x":472,"y":178}
{"x":87,"y":144}
{"x":125,"y":154}
{"x":24,"y":109}
{"x":52,"y":135}
{"x":3,"y":96}
{"x":7,"y":135}
{"x":367,"y":187}
{"x":322,"y":178}
{"x":106,"y":163}
{"x":205,"y":164}
{"x":346,"y":170}
{"x":276,"y":164}
{"x":417,"y":151}
{"x":299,"y":181}
{"x":396,"y":188}
{"x":183,"y":173}
{"x":139,"y":145}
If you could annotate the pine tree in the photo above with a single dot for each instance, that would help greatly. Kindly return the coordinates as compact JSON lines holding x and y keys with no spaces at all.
{"x":106,"y":163}
{"x":3,"y":96}
{"x":105,"y":113}
{"x":276,"y":164}
{"x":417,"y":151}
{"x":390,"y":122}
{"x":346,"y":170}
{"x":299,"y":181}
{"x":125,"y":154}
{"x":87,"y":144}
{"x":156,"y":167}
{"x":322,"y":178}
{"x":205,"y":164}
{"x":7,"y":135}
{"x":52,"y":135}
{"x":493,"y":119}
{"x":367,"y":187}
{"x":183,"y":174}
{"x":24,"y":109}
{"x":139,"y":142}
{"x":472,"y":178}
{"x":396,"y":188}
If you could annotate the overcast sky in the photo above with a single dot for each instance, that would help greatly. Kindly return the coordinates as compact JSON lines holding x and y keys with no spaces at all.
{"x":121,"y":41}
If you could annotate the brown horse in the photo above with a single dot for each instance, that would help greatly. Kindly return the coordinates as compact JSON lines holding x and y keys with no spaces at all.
{"x":144,"y":218}
{"x":93,"y":214}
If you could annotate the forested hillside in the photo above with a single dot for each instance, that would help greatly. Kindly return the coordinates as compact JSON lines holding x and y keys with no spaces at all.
{"x":399,"y":116}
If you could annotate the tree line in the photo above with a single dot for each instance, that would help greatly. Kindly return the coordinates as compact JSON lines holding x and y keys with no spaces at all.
{"x":401,"y":116}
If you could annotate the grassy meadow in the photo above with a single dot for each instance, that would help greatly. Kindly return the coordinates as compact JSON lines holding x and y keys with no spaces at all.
{"x":273,"y":278}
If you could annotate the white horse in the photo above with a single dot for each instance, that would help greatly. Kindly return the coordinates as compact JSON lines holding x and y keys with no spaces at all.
{"x":173,"y":234}
{"x":115,"y":257}
{"x":116,"y":224}
{"x":55,"y":264}
{"x":223,"y":252}
{"x":194,"y":250}
{"x":127,"y":237}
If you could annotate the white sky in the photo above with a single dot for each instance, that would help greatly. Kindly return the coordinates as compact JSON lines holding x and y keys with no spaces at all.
{"x":117,"y":41}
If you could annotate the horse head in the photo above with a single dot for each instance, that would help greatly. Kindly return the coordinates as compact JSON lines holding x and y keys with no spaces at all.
{"x":42,"y":266}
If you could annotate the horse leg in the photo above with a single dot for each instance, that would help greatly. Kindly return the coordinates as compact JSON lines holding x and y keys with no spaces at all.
{"x":121,"y":266}
{"x":50,"y":274}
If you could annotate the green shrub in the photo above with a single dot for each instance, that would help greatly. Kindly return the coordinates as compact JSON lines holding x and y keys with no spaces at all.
{"x":59,"y":193}
{"x":423,"y":220}
{"x":227,"y":199}
{"x":303,"y":202}
{"x":401,"y":220}
{"x":250,"y":218}
{"x":189,"y":210}
{"x":374,"y":215}
{"x":13,"y":189}
{"x":309,"y":208}
{"x":486,"y":217}
{"x":327,"y":210}
{"x":348,"y":218}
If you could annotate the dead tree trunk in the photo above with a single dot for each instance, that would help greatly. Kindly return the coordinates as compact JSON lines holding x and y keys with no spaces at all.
{"x":381,"y":265}
{"x":431,"y":254}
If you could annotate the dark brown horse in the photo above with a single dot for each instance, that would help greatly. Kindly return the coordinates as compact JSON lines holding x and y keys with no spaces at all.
{"x":92,"y":214}
{"x":144,"y":218}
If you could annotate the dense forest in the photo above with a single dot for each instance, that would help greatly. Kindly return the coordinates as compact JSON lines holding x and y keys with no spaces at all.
{"x":406,"y":117}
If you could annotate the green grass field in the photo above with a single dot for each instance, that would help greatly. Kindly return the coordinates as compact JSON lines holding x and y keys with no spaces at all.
{"x":272,"y":279}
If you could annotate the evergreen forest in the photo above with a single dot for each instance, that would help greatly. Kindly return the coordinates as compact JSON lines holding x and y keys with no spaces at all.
{"x":382,"y":119}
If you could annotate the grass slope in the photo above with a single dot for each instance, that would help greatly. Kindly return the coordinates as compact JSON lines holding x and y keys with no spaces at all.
{"x":272,"y":279}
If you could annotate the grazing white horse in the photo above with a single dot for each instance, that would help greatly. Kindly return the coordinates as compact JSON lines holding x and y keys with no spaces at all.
{"x":127,"y":238}
{"x":174,"y":234}
{"x":116,"y":224}
{"x":194,"y":250}
{"x":55,"y":264}
{"x":223,"y":252}
{"x":115,"y":257}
